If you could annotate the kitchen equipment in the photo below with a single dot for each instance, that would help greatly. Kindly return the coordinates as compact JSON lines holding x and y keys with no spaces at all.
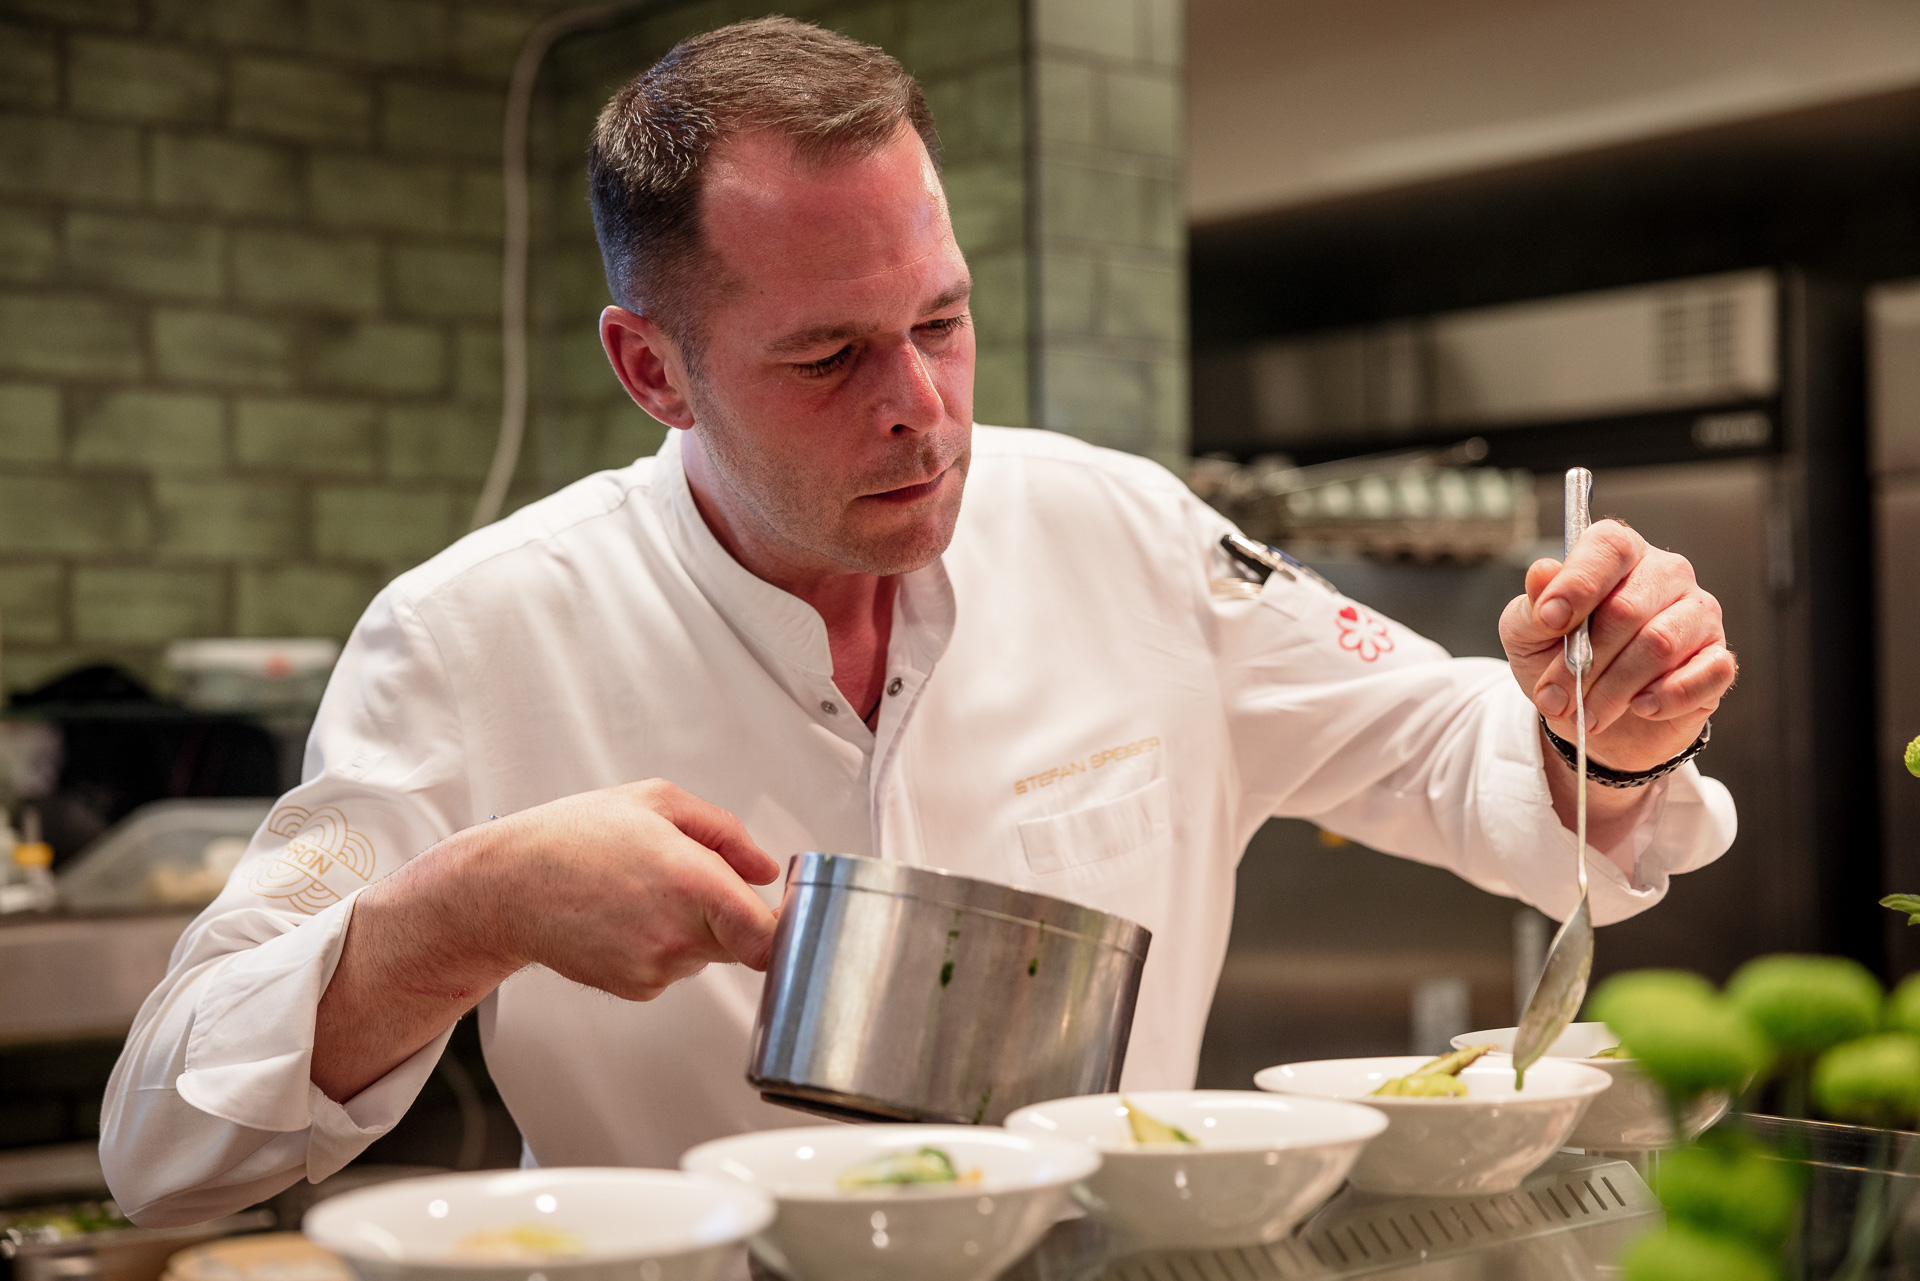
{"x":1259,"y":1163}
{"x":1722,"y":418}
{"x":1011,"y":1190}
{"x":905,"y":993}
{"x":45,"y":1252}
{"x":577,"y":1225}
{"x":1568,"y":1221}
{"x":1485,"y":1142}
{"x":243,"y":674}
{"x":1632,"y":1116}
{"x":174,"y":853}
{"x":1563,"y":981}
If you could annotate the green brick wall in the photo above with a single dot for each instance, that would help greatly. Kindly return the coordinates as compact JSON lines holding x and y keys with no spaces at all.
{"x":1109,"y":238}
{"x":249,"y":280}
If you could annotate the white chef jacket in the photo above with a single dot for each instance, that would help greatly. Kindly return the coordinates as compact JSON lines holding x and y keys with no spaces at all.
{"x":1072,"y":708}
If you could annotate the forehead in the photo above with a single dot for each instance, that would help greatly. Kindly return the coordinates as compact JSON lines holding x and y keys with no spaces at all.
{"x":781,"y":225}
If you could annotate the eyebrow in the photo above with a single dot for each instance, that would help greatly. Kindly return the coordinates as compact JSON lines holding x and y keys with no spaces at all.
{"x":814,"y":336}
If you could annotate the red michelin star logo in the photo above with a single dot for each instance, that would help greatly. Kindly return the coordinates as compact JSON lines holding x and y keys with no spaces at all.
{"x":1362,"y":633}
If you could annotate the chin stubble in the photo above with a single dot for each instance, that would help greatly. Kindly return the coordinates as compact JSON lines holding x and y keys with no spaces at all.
{"x":800,"y":511}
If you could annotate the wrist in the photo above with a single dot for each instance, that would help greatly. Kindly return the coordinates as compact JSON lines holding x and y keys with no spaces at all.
{"x":1632,"y":777}
{"x":456,"y":908}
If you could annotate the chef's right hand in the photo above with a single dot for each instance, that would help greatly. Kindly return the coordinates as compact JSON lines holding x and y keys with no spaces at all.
{"x":628,"y":889}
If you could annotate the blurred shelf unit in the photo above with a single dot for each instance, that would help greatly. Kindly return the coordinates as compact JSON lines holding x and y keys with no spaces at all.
{"x":1674,"y":371}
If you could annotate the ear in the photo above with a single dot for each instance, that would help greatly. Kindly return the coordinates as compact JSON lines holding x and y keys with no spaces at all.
{"x":648,"y":365}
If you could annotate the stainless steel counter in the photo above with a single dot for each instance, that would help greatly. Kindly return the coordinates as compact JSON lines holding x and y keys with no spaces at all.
{"x":1568,"y":1222}
{"x":74,"y":978}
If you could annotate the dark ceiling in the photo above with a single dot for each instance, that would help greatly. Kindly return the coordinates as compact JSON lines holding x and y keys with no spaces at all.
{"x":1835,"y":189}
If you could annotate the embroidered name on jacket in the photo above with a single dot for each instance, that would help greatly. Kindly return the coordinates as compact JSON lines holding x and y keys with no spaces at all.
{"x":322,"y":862}
{"x":1105,"y":756}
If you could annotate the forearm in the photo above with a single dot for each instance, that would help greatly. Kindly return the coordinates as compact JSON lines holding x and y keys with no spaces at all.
{"x":419,"y":952}
{"x":1612,"y":812}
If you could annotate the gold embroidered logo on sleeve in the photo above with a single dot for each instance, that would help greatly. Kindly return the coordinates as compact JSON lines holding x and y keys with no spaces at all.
{"x":322,"y":862}
{"x":1098,"y":760}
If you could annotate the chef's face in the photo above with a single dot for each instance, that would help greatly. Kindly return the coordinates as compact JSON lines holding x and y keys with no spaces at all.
{"x":833,"y":394}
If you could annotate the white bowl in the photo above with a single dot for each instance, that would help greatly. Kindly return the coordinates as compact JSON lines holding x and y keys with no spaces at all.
{"x":1263,"y":1162}
{"x":944,"y":1232}
{"x":1630,"y":1117}
{"x":630,"y":1225}
{"x":1485,"y":1142}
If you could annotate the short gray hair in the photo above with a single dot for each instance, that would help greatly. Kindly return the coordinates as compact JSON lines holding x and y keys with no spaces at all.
{"x":836,"y":98}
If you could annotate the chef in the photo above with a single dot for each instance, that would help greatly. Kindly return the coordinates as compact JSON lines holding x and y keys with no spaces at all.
{"x":559,"y":767}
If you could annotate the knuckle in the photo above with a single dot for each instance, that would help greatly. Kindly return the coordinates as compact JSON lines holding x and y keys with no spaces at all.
{"x":1661,"y":642}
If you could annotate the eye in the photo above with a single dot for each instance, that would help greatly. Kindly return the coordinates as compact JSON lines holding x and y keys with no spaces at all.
{"x":821,"y":368}
{"x":949,"y":324}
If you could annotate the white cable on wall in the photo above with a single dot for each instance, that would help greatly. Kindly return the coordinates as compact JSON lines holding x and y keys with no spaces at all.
{"x":513,"y":290}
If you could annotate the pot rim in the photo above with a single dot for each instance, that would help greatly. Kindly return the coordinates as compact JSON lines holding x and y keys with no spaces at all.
{"x":968,"y":894}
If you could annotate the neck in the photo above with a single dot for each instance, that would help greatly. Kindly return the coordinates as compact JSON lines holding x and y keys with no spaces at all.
{"x":856,"y":607}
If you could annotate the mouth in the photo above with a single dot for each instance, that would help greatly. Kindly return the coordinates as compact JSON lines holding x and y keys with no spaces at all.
{"x":910,"y":493}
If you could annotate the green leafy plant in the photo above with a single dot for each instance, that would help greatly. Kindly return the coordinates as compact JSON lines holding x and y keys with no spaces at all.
{"x":1841,"y":1047}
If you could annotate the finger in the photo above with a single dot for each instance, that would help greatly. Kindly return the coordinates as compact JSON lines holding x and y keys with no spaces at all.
{"x":716,"y":829}
{"x":1664,"y":643}
{"x":1696,"y":687}
{"x":740,"y":923}
{"x":1658,"y":583}
{"x":1600,"y":561}
{"x":1539,"y":574}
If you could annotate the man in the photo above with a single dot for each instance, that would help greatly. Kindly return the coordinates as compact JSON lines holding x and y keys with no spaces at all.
{"x":790,"y":615}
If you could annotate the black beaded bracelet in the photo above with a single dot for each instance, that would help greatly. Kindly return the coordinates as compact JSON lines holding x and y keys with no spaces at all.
{"x":1624,"y":778}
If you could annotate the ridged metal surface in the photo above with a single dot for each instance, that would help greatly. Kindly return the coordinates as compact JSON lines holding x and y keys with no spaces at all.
{"x":908,"y":994}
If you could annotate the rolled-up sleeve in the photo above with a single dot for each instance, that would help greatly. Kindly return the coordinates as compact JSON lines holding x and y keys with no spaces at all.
{"x":1346,"y":718}
{"x":211,"y":1106}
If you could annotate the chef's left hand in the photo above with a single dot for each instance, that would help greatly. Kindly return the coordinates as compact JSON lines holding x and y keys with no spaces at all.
{"x":1660,"y":656}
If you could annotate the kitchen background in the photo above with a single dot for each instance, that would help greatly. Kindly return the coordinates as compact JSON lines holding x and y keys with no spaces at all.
{"x":251,"y":367}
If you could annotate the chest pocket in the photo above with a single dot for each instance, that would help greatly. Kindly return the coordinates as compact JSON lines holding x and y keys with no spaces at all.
{"x":1097,"y":833}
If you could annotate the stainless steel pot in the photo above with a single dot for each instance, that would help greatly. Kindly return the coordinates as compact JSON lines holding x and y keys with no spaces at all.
{"x":905,"y":994}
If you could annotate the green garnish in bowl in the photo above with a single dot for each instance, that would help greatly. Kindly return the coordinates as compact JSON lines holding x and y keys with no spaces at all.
{"x":1148,"y":1129}
{"x":918,"y":1168}
{"x":1439,"y":1079}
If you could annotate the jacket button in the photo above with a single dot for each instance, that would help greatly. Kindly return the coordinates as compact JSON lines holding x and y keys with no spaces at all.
{"x":895,"y":685}
{"x":830,"y":707}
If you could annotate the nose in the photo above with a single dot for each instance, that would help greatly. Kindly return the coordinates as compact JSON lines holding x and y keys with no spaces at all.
{"x":909,"y":402}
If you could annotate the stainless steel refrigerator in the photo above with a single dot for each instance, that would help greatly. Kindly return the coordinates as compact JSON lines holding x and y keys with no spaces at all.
{"x":1723,"y":417}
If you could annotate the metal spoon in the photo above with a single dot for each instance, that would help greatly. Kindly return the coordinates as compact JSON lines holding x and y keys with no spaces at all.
{"x":1563,"y":980}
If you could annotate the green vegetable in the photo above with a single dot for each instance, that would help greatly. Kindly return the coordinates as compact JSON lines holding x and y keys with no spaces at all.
{"x":1908,"y":903}
{"x":1803,"y":1004}
{"x":903,"y":1169}
{"x":1436,"y":1080}
{"x":1681,"y":1253}
{"x":1684,"y":1035}
{"x":1902,"y":1010}
{"x":1422,"y":1087}
{"x":1729,"y":1186}
{"x":1913,"y":757}
{"x":1872,"y":1081}
{"x":1612,"y":1052}
{"x":1151,"y":1129}
{"x":61,"y":1223}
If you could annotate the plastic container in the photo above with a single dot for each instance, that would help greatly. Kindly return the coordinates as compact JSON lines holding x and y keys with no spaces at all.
{"x":231,"y":675}
{"x":168,"y":854}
